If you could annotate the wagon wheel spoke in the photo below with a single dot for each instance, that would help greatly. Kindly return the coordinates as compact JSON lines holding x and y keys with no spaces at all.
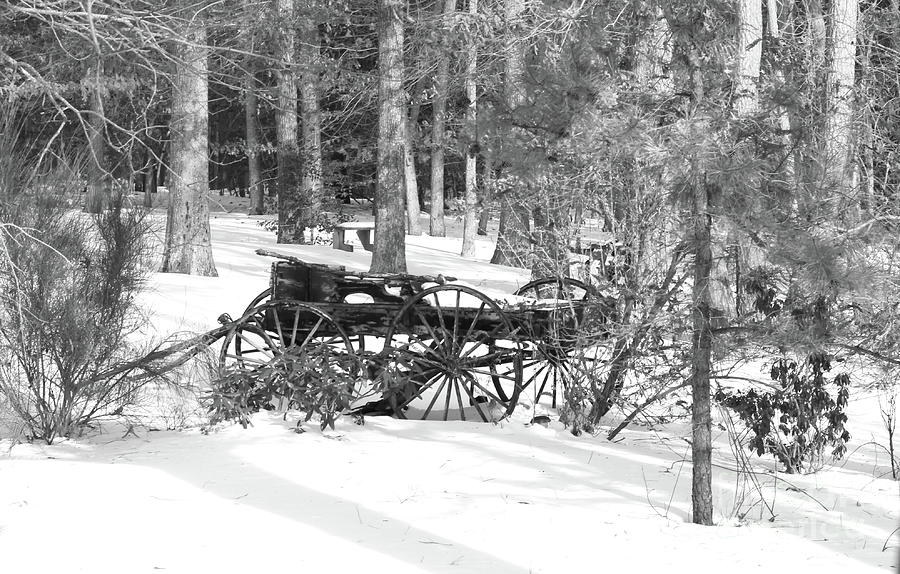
{"x":457,"y":384}
{"x":475,"y":403}
{"x":474,"y":322}
{"x":434,"y":398}
{"x":440,"y":315}
{"x":420,"y":390}
{"x":252,"y":343}
{"x":427,"y":325}
{"x":491,"y":395}
{"x":278,"y":328}
{"x":484,"y":338}
{"x":246,"y":359}
{"x":262,"y":332}
{"x":454,"y":342}
{"x":294,"y":328}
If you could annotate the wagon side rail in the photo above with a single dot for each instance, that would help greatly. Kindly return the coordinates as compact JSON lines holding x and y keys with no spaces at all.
{"x":339,"y":271}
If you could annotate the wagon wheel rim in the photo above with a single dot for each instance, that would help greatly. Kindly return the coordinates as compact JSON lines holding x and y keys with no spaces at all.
{"x":553,"y":364}
{"x":553,"y":287}
{"x":443,"y":352}
{"x":268,"y":332}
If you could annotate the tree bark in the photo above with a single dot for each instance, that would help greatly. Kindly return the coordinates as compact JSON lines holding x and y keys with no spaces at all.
{"x":841,"y":77}
{"x":413,"y":226}
{"x":470,"y":221}
{"x":653,"y":52}
{"x":513,"y":239}
{"x":749,"y":54}
{"x":389,"y":255}
{"x":187,"y":247}
{"x":784,"y":117}
{"x":290,"y":229}
{"x":311,"y":184}
{"x":150,"y":183}
{"x":701,"y":421}
{"x":701,"y":335}
{"x":444,"y":9}
{"x":487,"y":191}
{"x":251,"y":120}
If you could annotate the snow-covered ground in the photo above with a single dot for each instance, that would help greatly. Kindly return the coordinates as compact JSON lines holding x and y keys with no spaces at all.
{"x":414,"y":496}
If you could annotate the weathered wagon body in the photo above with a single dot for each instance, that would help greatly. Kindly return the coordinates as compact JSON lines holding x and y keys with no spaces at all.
{"x":423,"y":346}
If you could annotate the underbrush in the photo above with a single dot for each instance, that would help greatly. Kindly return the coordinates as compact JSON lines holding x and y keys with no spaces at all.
{"x":68,"y":282}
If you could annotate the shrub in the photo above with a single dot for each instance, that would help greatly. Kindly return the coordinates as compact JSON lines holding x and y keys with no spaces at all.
{"x":798,"y":420}
{"x":313,"y":379}
{"x":68,"y":283}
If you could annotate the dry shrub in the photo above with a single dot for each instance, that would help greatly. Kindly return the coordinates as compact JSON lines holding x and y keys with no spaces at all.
{"x":67,"y":296}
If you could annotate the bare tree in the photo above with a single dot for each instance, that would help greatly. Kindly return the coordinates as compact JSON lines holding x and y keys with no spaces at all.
{"x":513,"y":243}
{"x":187,"y":246}
{"x":409,"y":176}
{"x":311,"y":119}
{"x":290,"y":228}
{"x":444,"y":10}
{"x":470,"y":223}
{"x":251,"y":117}
{"x":749,"y":54}
{"x":389,"y":255}
{"x":840,"y":82}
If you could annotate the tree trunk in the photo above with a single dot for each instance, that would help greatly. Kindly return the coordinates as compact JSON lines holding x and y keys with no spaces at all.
{"x":290,"y":229}
{"x":513,"y":240}
{"x":98,"y":183}
{"x":749,"y":54}
{"x":470,"y":222}
{"x":513,"y":237}
{"x":487,"y":192}
{"x":784,"y":117}
{"x":653,"y":52}
{"x":701,"y":355}
{"x":701,"y":421}
{"x":444,"y":9}
{"x":389,"y":255}
{"x":150,"y":184}
{"x":841,"y":77}
{"x":413,"y":226}
{"x":187,"y":247}
{"x":311,"y":185}
{"x":251,"y":119}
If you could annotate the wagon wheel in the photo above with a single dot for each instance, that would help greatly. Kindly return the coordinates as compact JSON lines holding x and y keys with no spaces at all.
{"x":552,"y":361}
{"x":440,"y":348}
{"x":289,"y":345}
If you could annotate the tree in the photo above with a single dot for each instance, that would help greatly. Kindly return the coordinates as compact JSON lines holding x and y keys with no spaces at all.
{"x":187,"y":246}
{"x":409,"y":175}
{"x":311,"y":151}
{"x":470,"y":223}
{"x":290,"y":229}
{"x":840,"y":86}
{"x":389,"y":255}
{"x":749,"y":54}
{"x":513,"y":243}
{"x":251,"y":117}
{"x":98,"y":180}
{"x":444,"y":9}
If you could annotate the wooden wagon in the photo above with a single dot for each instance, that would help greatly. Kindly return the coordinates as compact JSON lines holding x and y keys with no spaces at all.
{"x":413,"y":345}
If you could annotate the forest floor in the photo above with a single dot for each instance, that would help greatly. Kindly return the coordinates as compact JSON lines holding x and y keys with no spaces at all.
{"x":415,"y":496}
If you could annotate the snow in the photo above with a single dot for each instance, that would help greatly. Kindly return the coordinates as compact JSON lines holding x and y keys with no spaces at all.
{"x":416,"y":496}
